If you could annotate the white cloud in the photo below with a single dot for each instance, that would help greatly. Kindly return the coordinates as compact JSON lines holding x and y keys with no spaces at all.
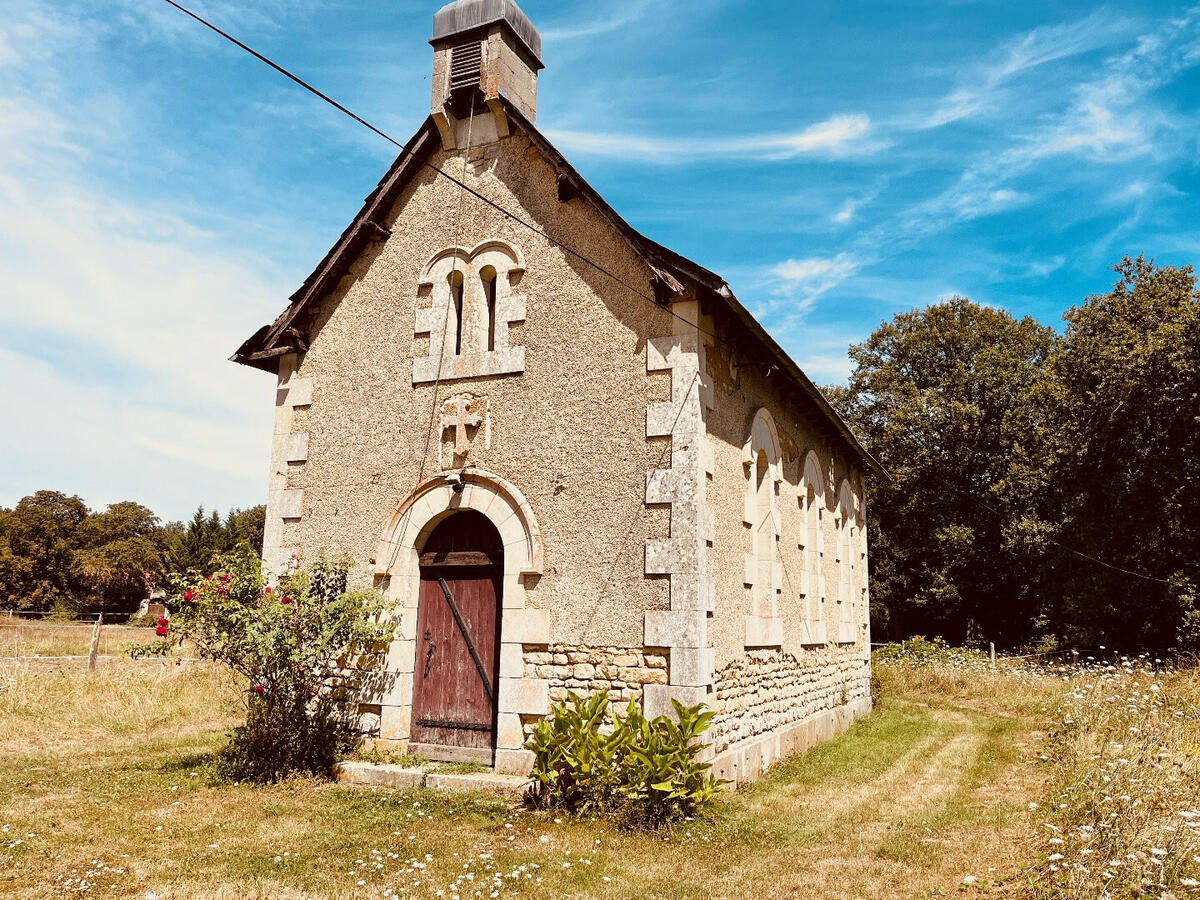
{"x":802,"y":281}
{"x":1042,"y":269}
{"x":846,"y":213}
{"x":835,"y":137}
{"x":983,"y":90}
{"x":612,"y":20}
{"x":116,"y":321}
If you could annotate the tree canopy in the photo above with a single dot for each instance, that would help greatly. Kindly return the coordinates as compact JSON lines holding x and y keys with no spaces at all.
{"x":57,"y":555}
{"x":1037,"y":477}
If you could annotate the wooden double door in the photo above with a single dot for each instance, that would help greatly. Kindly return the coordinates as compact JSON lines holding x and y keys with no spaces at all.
{"x":456,"y":681}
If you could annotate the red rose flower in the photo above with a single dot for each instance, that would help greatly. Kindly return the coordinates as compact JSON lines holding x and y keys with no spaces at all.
{"x":162,"y":620}
{"x":226,"y":578}
{"x":189,"y":595}
{"x":266,"y":591}
{"x":285,"y":600}
{"x":258,"y":689}
{"x":161,"y":630}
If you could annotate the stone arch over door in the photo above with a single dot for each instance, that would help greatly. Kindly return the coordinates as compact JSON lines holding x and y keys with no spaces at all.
{"x":397,"y":559}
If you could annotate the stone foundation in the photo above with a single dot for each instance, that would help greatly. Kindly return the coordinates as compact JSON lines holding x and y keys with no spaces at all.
{"x":622,"y":671}
{"x":768,"y":691}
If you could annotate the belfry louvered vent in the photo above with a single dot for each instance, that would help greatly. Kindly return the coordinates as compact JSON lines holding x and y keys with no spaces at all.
{"x":466,"y":64}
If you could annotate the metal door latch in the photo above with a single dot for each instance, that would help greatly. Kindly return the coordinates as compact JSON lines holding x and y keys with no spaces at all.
{"x":429,"y":649}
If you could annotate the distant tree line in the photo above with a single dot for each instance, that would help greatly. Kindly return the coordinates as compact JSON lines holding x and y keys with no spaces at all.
{"x":56,"y":555}
{"x":1044,"y":486}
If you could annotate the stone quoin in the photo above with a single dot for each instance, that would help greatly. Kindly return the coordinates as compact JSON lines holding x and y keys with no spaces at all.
{"x":568,"y":456}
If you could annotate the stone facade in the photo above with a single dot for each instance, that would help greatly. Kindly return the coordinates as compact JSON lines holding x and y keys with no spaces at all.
{"x":681,"y":513}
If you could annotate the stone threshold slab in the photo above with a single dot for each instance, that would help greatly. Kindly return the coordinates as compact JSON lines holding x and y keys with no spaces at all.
{"x":363,"y":774}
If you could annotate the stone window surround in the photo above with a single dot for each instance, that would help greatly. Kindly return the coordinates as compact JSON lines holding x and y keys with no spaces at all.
{"x":764,"y":626}
{"x":812,"y":579}
{"x":475,"y":360}
{"x":848,"y":525}
{"x":397,"y":557}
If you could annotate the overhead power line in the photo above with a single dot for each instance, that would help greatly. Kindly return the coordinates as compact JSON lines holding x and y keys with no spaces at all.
{"x":404,"y":149}
{"x":529,"y":225}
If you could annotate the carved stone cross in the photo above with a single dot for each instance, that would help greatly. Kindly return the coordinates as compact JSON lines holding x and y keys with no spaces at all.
{"x":464,"y":412}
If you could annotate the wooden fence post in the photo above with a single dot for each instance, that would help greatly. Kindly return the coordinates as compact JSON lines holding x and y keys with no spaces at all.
{"x":95,"y":643}
{"x":992,"y":653}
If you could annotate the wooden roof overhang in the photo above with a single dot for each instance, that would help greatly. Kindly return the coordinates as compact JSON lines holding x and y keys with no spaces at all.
{"x":671,"y":272}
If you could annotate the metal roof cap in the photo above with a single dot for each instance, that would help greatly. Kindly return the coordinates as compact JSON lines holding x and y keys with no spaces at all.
{"x":467,"y":15}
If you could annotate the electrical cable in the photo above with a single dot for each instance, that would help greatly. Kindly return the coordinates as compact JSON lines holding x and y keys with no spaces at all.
{"x":387,"y":137}
{"x":538,"y":231}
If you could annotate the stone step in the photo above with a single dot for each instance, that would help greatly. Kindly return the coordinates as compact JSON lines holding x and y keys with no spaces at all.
{"x":363,"y":774}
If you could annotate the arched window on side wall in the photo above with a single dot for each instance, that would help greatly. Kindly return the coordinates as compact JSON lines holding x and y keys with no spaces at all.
{"x":847,"y":630}
{"x":812,"y":550}
{"x":763,"y":571}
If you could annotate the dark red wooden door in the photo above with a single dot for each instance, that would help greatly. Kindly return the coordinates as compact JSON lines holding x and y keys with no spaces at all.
{"x":458,"y":656}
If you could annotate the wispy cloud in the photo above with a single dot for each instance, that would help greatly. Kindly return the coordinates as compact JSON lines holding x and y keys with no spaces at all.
{"x":801,"y":282}
{"x":1109,"y":119}
{"x":847,"y":212}
{"x":121,"y":319}
{"x":982,"y":89}
{"x":614,"y":20}
{"x":835,"y":137}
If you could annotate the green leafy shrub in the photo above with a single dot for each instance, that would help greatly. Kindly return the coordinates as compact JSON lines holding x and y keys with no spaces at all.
{"x":643,"y":773}
{"x":286,"y":641}
{"x":149,"y":650}
{"x":923,"y":652}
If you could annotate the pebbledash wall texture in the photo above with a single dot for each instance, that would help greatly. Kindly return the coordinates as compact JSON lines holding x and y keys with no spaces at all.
{"x":681,"y":512}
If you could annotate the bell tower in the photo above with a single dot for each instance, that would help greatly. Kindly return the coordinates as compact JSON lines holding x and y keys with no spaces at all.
{"x":482,"y":49}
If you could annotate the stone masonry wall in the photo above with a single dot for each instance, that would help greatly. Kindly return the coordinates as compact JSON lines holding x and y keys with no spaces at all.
{"x":622,"y":671}
{"x":766,"y":690}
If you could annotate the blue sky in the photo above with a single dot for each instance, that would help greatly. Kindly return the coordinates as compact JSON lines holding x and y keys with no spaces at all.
{"x":161,"y":194}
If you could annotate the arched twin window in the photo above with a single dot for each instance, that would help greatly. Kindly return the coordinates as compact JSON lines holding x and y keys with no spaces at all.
{"x":474,"y":311}
{"x":473,"y":304}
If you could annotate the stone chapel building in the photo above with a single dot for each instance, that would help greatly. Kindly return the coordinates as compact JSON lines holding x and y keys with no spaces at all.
{"x":569,"y":456}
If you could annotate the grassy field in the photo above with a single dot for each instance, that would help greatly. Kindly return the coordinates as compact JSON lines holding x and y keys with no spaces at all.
{"x":954,"y":784}
{"x":22,"y":637}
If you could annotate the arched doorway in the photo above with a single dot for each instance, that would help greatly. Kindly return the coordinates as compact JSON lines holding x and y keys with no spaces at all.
{"x":456,"y":678}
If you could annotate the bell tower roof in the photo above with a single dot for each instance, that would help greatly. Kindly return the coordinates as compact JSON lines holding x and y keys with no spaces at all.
{"x":466,"y":16}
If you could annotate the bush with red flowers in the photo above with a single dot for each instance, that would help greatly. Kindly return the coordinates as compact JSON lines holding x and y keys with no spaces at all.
{"x":285,"y":641}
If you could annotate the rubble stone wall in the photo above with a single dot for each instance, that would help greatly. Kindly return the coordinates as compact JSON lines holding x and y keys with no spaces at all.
{"x":768,"y":690}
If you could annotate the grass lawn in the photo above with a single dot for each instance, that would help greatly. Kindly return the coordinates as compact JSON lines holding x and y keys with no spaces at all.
{"x":110,"y":791}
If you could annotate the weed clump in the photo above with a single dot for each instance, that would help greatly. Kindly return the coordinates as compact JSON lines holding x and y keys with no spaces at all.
{"x":644,"y":774}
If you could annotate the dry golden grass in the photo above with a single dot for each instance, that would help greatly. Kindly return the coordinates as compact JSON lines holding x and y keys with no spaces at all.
{"x":20,"y":637}
{"x":113,"y":793}
{"x":1123,"y":815}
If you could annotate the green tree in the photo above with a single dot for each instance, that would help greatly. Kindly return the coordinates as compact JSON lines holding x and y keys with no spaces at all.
{"x":38,"y":568}
{"x":205,"y":537}
{"x":122,"y":557}
{"x":1127,"y":388}
{"x":952,"y":400}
